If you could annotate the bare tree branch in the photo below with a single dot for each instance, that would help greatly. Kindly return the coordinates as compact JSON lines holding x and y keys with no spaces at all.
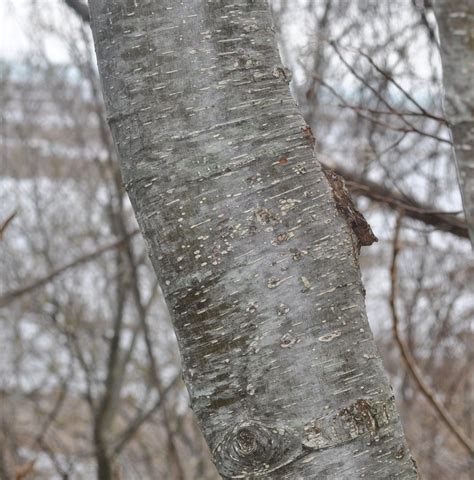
{"x":410,"y":127}
{"x":142,"y":417}
{"x":409,"y":361}
{"x":25,"y":470}
{"x":6,"y":222}
{"x":447,"y":222}
{"x":12,"y":295}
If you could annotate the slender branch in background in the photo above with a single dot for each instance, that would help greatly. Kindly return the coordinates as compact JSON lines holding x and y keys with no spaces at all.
{"x":125,"y":436}
{"x":12,"y":295}
{"x":404,"y":113}
{"x":49,"y":451}
{"x":407,"y":95}
{"x":384,"y":101}
{"x":24,"y":471}
{"x":51,"y":417}
{"x":80,"y":8}
{"x":447,"y":222}
{"x":358,"y":111}
{"x":424,"y":19}
{"x":409,"y":361}
{"x":6,"y":222}
{"x":54,"y":411}
{"x":156,"y":377}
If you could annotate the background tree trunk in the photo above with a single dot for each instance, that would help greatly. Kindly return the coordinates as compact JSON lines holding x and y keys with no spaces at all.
{"x":256,"y":262}
{"x":455,"y":20}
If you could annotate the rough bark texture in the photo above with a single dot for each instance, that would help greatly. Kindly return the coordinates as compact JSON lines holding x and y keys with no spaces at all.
{"x":256,"y":262}
{"x":456,"y":29}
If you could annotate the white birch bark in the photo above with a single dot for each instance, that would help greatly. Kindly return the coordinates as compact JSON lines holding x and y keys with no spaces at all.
{"x":455,"y":20}
{"x":256,"y":263}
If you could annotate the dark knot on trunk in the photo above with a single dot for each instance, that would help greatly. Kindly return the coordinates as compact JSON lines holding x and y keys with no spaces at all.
{"x":252,"y":448}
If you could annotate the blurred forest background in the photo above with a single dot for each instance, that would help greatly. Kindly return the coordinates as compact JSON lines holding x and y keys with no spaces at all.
{"x":89,"y":367}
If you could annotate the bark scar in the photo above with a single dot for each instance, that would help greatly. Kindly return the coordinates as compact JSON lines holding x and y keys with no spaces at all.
{"x":362,"y":417}
{"x":282,"y":73}
{"x":308,"y":135}
{"x":364,"y":236}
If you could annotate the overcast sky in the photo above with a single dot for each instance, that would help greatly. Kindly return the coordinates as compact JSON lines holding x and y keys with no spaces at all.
{"x":15,"y":24}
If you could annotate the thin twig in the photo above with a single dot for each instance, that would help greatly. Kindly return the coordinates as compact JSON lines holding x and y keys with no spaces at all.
{"x":406,"y":94}
{"x":132,"y":428}
{"x":6,"y":222}
{"x":410,"y":129}
{"x":409,"y":361}
{"x":401,"y":113}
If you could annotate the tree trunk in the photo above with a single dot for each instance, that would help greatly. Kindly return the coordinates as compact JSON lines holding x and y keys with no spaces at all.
{"x":455,"y":20}
{"x":256,"y":262}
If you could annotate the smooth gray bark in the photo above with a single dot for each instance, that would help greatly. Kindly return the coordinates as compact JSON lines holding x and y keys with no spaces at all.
{"x":455,"y":20}
{"x":257,"y":265}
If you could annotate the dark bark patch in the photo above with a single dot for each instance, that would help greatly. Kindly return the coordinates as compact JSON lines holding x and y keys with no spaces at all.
{"x":364,"y":236}
{"x":308,"y":135}
{"x":282,"y":238}
{"x":273,"y":282}
{"x":265,"y":216}
{"x":287,"y":340}
{"x":362,"y":417}
{"x":297,"y":254}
